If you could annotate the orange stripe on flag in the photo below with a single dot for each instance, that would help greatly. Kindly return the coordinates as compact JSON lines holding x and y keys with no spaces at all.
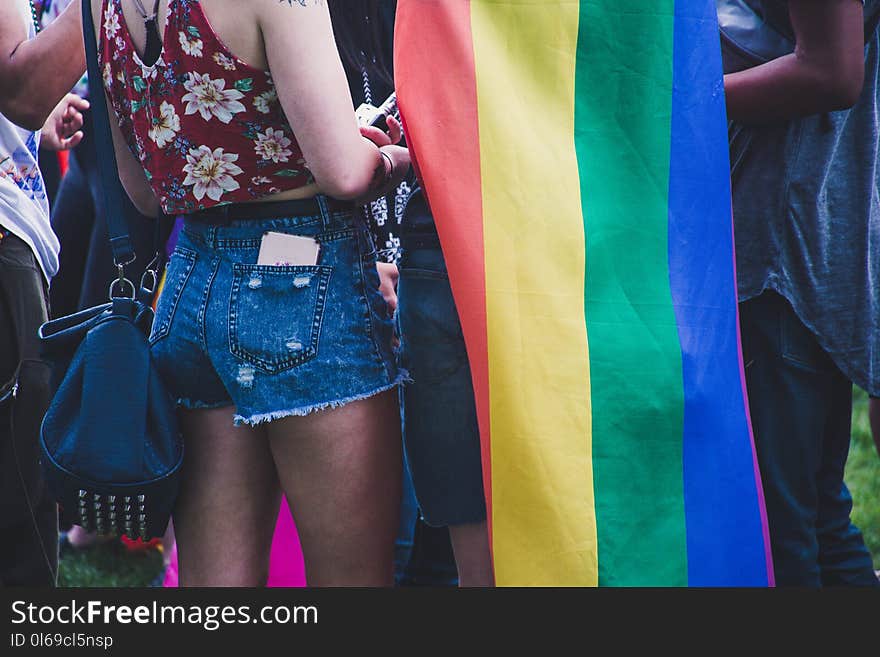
{"x":446,"y":128}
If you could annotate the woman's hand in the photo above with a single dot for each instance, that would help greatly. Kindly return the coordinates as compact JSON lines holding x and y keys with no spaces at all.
{"x":395,"y":158}
{"x":393,"y":167}
{"x":61,"y":131}
{"x":381,"y":138}
{"x":388,"y":277}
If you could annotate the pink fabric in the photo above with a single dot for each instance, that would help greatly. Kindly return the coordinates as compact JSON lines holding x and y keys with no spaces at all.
{"x":286,"y":568}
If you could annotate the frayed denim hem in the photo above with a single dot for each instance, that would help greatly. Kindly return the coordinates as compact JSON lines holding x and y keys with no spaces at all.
{"x":197,"y":405}
{"x":402,"y":379}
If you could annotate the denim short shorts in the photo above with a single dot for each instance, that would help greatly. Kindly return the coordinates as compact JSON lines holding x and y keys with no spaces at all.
{"x":273,"y":341}
{"x":441,"y":435}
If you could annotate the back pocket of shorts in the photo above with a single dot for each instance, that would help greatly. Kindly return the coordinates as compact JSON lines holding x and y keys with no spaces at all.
{"x":179,"y":269}
{"x":275,"y":314}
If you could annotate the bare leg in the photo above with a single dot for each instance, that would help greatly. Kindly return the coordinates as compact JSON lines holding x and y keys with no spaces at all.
{"x":340,"y":470}
{"x":228,"y":502}
{"x":470,"y":543}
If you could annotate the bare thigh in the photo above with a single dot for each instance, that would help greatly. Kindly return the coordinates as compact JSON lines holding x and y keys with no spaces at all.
{"x":340,"y":470}
{"x":228,"y":503}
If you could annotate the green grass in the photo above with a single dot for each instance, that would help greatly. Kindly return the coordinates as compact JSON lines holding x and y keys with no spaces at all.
{"x":109,"y":564}
{"x":863,"y":477}
{"x":112,"y":565}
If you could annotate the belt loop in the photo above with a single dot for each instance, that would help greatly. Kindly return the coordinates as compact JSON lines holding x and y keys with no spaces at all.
{"x":211,"y":236}
{"x":325,"y":212}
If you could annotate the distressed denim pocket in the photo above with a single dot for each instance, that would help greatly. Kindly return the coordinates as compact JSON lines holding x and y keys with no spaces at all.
{"x":179,"y":269}
{"x":275,"y":314}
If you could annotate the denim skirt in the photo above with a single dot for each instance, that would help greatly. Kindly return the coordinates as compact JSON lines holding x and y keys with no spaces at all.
{"x":273,"y":341}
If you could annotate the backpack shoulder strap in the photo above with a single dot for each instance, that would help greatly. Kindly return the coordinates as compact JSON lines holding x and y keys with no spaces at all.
{"x":120,"y":242}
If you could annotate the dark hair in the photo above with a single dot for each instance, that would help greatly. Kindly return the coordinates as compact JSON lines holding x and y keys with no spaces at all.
{"x":364,"y":30}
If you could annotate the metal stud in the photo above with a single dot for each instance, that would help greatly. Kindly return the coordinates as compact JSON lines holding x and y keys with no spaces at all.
{"x":128,"y":499}
{"x":82,"y":493}
{"x":112,"y":499}
{"x":96,"y":497}
{"x":141,"y":499}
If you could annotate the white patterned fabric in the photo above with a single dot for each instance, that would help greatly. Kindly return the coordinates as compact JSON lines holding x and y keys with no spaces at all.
{"x":24,"y":207}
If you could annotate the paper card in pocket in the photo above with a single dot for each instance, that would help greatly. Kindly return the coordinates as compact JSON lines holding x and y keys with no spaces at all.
{"x":281,"y":249}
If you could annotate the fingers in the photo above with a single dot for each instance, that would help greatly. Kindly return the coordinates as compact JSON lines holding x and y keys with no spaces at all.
{"x":390,"y":298}
{"x":388,"y":275}
{"x":71,"y":117}
{"x":375,"y":135}
{"x":395,"y":130}
{"x":78,"y":103}
{"x":72,"y":120}
{"x":72,"y":141}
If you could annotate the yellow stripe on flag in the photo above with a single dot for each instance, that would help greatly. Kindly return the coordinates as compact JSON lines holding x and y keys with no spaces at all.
{"x":539,"y":363}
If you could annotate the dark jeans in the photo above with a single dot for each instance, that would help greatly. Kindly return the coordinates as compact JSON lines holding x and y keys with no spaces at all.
{"x":436,"y":410}
{"x":28,"y":514}
{"x":422,"y":554}
{"x":801,"y":408}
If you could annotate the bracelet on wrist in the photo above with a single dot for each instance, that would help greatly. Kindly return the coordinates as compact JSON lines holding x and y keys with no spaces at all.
{"x":389,"y":172}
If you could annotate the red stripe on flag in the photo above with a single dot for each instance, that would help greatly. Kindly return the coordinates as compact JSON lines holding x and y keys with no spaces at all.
{"x":442,"y":127}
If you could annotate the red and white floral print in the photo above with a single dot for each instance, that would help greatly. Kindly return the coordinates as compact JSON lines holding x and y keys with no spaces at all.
{"x":206,"y":127}
{"x":211,"y":98}
{"x":166,"y":127}
{"x":211,"y":173}
{"x":273,"y":145}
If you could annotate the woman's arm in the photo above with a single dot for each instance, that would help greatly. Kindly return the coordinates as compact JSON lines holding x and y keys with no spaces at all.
{"x":824,"y":74}
{"x":131,"y":173}
{"x":314,"y":93}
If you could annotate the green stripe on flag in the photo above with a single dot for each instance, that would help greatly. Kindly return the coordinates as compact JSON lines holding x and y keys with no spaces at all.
{"x":622,"y":134}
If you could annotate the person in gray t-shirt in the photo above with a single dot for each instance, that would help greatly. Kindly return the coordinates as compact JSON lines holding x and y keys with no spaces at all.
{"x":805,"y":141}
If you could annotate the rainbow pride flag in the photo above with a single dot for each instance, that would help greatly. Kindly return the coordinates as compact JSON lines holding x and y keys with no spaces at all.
{"x":575,"y":157}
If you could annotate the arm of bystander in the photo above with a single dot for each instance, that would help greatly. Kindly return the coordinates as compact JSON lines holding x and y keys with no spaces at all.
{"x":35,"y":74}
{"x":824,"y":74}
